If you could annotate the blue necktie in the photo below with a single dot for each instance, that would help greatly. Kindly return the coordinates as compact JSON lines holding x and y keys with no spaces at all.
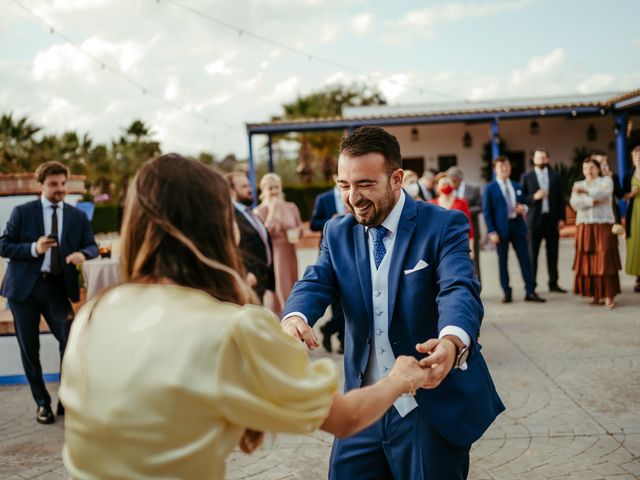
{"x":379,"y":251}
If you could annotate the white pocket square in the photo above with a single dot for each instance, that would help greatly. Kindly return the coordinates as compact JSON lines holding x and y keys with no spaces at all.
{"x":419,"y":266}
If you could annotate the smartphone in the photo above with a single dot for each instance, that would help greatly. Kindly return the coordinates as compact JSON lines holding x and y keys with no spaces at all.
{"x":52,"y":237}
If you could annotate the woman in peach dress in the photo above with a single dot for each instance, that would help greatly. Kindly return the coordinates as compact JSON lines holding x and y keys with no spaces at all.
{"x":284,"y":224}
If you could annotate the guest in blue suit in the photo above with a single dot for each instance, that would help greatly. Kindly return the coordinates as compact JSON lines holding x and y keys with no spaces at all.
{"x":328,"y":205}
{"x":403,"y":271}
{"x":44,"y":240}
{"x":503,"y":207}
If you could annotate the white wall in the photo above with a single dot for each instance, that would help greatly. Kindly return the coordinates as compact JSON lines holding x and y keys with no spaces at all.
{"x":559,"y":135}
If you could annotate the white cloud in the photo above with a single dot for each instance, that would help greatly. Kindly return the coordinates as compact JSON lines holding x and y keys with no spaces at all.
{"x":219,"y":66}
{"x":362,"y":24}
{"x":423,"y":22}
{"x":394,"y":85}
{"x":328,"y":33}
{"x":287,"y":87}
{"x":599,"y":82}
{"x":172,"y":89}
{"x":59,"y":60}
{"x":538,"y":67}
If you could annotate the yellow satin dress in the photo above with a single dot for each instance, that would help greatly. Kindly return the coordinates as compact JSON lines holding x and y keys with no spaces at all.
{"x":163,"y":380}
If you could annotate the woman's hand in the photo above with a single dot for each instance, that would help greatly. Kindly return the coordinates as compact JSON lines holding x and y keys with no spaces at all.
{"x":409,"y":369}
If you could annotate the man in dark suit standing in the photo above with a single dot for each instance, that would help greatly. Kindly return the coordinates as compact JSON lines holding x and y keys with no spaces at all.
{"x":403,"y":271}
{"x":503,"y":208}
{"x":44,"y":240}
{"x":546,"y":216}
{"x":329,"y":205}
{"x":255,"y":242}
{"x":473,"y":196}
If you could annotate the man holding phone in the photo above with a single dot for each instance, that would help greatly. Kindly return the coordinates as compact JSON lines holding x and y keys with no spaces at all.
{"x":44,"y":240}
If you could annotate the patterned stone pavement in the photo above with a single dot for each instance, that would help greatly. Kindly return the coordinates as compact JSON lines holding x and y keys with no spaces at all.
{"x":568,"y":372}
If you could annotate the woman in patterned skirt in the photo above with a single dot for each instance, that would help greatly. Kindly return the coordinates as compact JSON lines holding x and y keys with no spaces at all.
{"x":597,"y":260}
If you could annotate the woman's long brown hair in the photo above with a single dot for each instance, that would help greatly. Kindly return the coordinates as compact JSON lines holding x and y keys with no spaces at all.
{"x":179,"y":225}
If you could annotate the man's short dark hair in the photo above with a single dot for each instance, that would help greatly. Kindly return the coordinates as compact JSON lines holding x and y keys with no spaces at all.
{"x":541,"y":150}
{"x":366,"y":140}
{"x":50,"y":168}
{"x":500,"y":159}
{"x":230,"y":177}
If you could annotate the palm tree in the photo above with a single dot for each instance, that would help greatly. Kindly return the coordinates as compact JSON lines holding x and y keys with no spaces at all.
{"x":317,"y":150}
{"x":17,"y":144}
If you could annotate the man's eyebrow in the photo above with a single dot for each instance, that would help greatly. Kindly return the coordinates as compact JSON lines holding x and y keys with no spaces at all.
{"x":361,"y":180}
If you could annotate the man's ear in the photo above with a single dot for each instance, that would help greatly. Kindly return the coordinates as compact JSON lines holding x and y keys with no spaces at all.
{"x":396,"y":178}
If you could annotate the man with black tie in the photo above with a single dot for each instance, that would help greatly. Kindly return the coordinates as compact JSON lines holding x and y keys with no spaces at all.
{"x":546,"y":216}
{"x":44,"y":240}
{"x":255,"y":243}
{"x":503,"y":208}
{"x":473,"y":196}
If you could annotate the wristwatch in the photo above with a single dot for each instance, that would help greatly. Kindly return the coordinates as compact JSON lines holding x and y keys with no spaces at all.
{"x":462,"y":351}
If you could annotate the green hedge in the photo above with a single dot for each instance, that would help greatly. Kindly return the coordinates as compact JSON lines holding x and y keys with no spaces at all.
{"x":304,"y":196}
{"x":106,"y":218}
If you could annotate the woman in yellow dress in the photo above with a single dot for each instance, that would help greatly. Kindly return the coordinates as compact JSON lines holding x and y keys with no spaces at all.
{"x":165,"y":374}
{"x":631,"y":187}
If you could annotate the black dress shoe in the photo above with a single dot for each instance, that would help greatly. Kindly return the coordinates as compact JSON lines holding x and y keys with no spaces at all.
{"x":533,"y":297}
{"x":557,"y":289}
{"x":507,"y":298}
{"x":44,"y":415}
{"x":326,"y":338}
{"x":60,"y":409}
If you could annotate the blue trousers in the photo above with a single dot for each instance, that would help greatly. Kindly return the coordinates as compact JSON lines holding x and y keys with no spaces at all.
{"x":49,"y":299}
{"x":396,"y":448}
{"x":520,"y":245}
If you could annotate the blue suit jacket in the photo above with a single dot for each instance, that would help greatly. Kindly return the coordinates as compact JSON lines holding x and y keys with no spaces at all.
{"x":24,"y":227}
{"x":323,"y":211}
{"x":494,"y":209}
{"x":421,"y":304}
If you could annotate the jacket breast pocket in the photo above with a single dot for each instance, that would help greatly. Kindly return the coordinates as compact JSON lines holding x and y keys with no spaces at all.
{"x":418,"y":275}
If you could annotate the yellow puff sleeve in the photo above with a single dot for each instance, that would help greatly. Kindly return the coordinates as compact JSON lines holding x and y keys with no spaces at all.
{"x":266,"y":380}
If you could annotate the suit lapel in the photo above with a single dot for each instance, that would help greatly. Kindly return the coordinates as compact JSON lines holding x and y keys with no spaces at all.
{"x":406,"y":226}
{"x":363,"y":266}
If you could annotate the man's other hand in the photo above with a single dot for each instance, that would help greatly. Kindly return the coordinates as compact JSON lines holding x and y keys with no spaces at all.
{"x":76,"y":258}
{"x":441,"y":355}
{"x":298,"y":328}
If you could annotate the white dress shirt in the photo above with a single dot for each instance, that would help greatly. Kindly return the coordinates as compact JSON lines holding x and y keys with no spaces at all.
{"x":47,"y":213}
{"x":460,"y":190}
{"x":381,"y":357}
{"x":542,"y":174}
{"x":507,"y":189}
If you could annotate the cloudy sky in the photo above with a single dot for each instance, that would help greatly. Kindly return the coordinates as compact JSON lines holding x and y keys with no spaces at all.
{"x":197,"y":70}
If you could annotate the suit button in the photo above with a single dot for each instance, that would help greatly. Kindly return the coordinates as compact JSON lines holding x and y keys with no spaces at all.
{"x":379,"y":312}
{"x":361,"y":376}
{"x":368,"y":341}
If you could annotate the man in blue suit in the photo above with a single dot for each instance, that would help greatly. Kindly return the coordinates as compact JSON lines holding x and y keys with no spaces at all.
{"x":44,"y":240}
{"x":328,"y":205}
{"x":503,"y":207}
{"x":403,"y":271}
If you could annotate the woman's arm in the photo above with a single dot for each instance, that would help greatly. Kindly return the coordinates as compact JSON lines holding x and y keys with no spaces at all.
{"x":359,"y":408}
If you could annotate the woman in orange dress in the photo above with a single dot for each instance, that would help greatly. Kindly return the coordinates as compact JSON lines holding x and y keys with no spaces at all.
{"x":284,"y":224}
{"x":447,"y":199}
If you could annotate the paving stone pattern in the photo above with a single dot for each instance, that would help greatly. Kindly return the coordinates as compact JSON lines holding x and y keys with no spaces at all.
{"x":568,"y":372}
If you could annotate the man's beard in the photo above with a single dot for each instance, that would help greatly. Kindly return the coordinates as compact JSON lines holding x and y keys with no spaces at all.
{"x":379,"y":212}
{"x":248,"y":201}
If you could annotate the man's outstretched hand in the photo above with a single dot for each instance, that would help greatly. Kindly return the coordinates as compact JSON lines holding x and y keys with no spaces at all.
{"x":441,"y":355}
{"x":298,"y":328}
